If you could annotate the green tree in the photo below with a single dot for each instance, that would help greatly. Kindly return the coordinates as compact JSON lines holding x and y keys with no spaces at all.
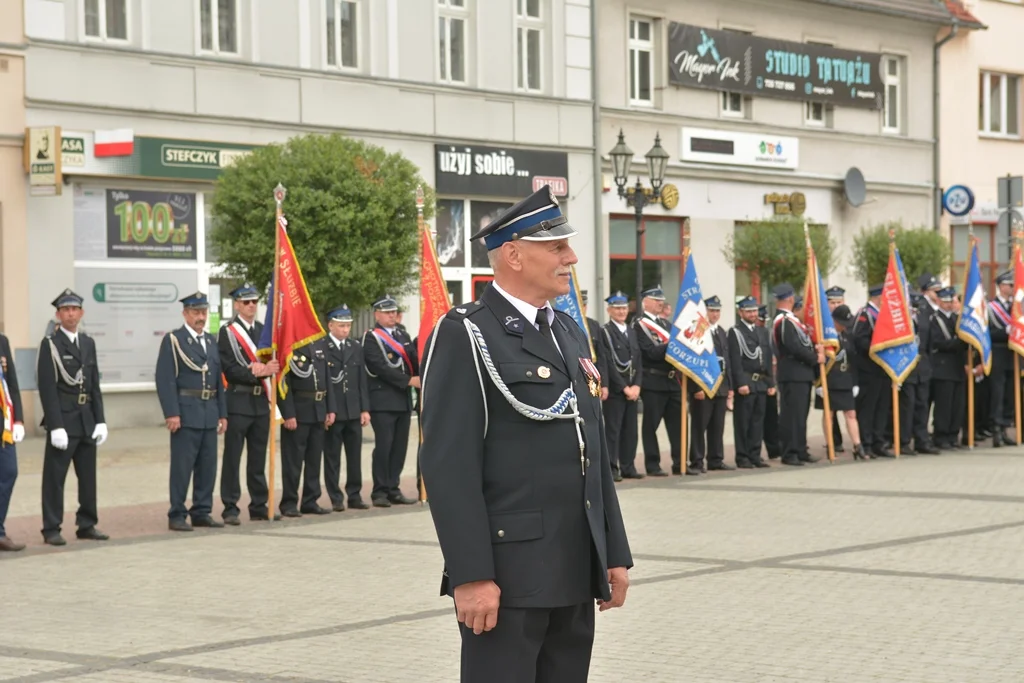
{"x":921,"y":250}
{"x":351,"y":211}
{"x":776,"y":250}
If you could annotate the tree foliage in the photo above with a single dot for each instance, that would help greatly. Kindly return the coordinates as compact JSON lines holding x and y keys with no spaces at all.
{"x":921,"y":250}
{"x":776,"y":250}
{"x":351,"y":211}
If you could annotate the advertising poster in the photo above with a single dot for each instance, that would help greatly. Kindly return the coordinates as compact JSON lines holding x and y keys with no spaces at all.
{"x":151,"y":225}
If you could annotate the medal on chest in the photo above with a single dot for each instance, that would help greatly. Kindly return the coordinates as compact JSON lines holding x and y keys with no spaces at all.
{"x":593,"y":376}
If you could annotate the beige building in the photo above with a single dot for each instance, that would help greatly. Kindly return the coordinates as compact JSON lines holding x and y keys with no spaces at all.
{"x":760,"y":100}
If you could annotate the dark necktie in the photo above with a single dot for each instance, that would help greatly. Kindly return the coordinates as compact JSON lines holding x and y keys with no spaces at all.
{"x":543,"y":324}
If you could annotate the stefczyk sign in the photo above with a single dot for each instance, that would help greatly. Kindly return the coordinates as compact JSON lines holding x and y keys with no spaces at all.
{"x":203,"y":157}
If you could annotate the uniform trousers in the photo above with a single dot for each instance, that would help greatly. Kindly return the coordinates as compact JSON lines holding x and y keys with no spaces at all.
{"x":950,"y":403}
{"x":193,"y":458}
{"x":1001,"y":388}
{"x":874,"y":406}
{"x":301,"y":450}
{"x":795,"y":405}
{"x":908,"y":426}
{"x":531,"y":646}
{"x":250,"y":432}
{"x":620,"y":417}
{"x":922,"y":408}
{"x":659,"y":405}
{"x":82,"y":452}
{"x":8,"y":475}
{"x":772,"y":440}
{"x":748,"y":425}
{"x":347,"y":433}
{"x":707,"y":428}
{"x":391,"y":441}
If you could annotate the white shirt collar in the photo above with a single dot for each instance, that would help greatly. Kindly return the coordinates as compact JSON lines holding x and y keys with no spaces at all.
{"x":73,"y":336}
{"x":195,"y":335}
{"x":750,"y":326}
{"x":529,"y":311}
{"x":651,"y":316}
{"x":337,"y":342}
{"x":620,"y":326}
{"x":248,"y":326}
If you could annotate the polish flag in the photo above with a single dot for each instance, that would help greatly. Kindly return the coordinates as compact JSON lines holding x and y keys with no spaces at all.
{"x":114,"y":143}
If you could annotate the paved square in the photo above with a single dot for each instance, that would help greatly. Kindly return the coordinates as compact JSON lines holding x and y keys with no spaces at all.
{"x":902,"y":571}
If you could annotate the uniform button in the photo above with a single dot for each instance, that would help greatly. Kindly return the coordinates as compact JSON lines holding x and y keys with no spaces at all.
{"x":501,"y":532}
{"x":588,"y":462}
{"x":588,"y":504}
{"x":529,"y":373}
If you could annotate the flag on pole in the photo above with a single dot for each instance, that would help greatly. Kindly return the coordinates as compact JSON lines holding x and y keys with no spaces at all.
{"x":434,"y":299}
{"x":297,"y":321}
{"x":893,"y":342}
{"x":691,"y":347}
{"x":972,"y":325}
{"x":1016,"y":330}
{"x":572,"y":304}
{"x":817,"y":318}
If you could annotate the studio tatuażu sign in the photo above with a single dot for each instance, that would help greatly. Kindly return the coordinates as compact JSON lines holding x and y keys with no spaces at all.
{"x":738,"y":62}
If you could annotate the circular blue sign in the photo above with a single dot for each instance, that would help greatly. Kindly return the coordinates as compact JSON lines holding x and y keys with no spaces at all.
{"x":958,"y":200}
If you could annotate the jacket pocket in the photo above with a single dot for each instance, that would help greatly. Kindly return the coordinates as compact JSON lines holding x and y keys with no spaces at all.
{"x":519,"y":554}
{"x":509,"y":527}
{"x":514,"y":373}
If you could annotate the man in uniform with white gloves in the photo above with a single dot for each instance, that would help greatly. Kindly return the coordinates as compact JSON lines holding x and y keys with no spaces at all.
{"x":69,"y":390}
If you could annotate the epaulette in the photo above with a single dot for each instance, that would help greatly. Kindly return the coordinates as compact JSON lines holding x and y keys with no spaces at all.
{"x":457,"y":313}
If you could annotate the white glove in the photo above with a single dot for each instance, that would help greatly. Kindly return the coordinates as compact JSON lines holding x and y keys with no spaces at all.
{"x":99,"y":435}
{"x":59,"y":439}
{"x":856,"y":390}
{"x":819,"y":392}
{"x":18,"y":432}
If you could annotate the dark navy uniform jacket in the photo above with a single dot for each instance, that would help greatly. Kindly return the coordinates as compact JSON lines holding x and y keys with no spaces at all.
{"x":180,"y":387}
{"x":389,"y":386}
{"x":619,"y":348}
{"x":512,"y":498}
{"x":62,"y":406}
{"x":307,"y":399}
{"x":345,"y":366}
{"x":246,"y":393}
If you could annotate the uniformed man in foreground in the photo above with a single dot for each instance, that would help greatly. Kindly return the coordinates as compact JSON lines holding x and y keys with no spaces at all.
{"x":188,"y":383}
{"x":306,"y":397}
{"x":69,"y":391}
{"x":12,"y":431}
{"x":625,"y":366}
{"x":352,"y":399}
{"x":750,"y":358}
{"x":248,"y":399}
{"x":798,"y":359}
{"x":515,"y":463}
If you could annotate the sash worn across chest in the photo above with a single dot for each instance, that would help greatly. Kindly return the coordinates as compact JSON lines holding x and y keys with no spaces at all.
{"x":245,"y":344}
{"x":1004,"y":318}
{"x":654,"y":330}
{"x":385,"y":337}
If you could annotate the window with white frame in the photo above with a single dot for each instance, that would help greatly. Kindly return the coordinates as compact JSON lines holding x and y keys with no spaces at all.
{"x":733,"y":104}
{"x":641,"y":61}
{"x":814,"y":114}
{"x":892,"y":77}
{"x":342,"y":33}
{"x":999,"y":110}
{"x":529,"y":34}
{"x":452,"y":29}
{"x":105,"y":19}
{"x":218,"y":25}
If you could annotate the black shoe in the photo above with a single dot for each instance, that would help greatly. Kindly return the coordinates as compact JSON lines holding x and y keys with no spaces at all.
{"x":761,"y":464}
{"x":882,"y":452}
{"x":315,"y":510}
{"x":7,"y":545}
{"x":808,"y":458}
{"x":720,"y":466}
{"x":338,"y":507}
{"x":745,"y":465}
{"x":91,"y":534}
{"x":657,"y":473}
{"x":400,"y":499}
{"x":358,"y":504}
{"x":616,"y":476}
{"x":634,"y":475}
{"x":774,"y":456}
{"x":381,"y":502}
{"x":258,"y":517}
{"x":983,"y":433}
{"x":693,"y":471}
{"x":839,"y":448}
{"x":291,"y":513}
{"x":907,"y":450}
{"x":792,"y":462}
{"x":54,"y":539}
{"x":232,"y":520}
{"x":207,"y":522}
{"x":178,"y":525}
{"x":858,"y":453}
{"x":928,"y":449}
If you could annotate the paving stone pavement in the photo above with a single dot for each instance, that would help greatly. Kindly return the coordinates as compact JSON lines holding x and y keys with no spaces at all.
{"x":893,"y":571}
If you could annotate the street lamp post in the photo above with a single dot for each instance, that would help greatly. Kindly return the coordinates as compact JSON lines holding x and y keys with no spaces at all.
{"x":637,"y":196}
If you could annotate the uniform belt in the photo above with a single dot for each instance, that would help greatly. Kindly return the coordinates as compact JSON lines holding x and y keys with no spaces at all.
{"x":243,"y":389}
{"x":80,"y":399}
{"x":670,"y":373}
{"x":755,"y":377}
{"x":315,"y":395}
{"x":202,"y":394}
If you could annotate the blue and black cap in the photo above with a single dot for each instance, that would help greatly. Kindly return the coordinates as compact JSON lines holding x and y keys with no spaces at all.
{"x":245,"y":293}
{"x":783,"y":291}
{"x":946,"y":294}
{"x":341,"y":314}
{"x":747,"y":303}
{"x":195,"y":300}
{"x":67,"y":298}
{"x":655,"y":292}
{"x":835,"y":293}
{"x":535,"y":219}
{"x":713,"y":303}
{"x":875,"y":290}
{"x":618,"y":300}
{"x":385,"y":304}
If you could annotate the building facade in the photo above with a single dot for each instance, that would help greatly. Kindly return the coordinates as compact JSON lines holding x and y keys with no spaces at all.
{"x":766,"y":107}
{"x":490,"y":98}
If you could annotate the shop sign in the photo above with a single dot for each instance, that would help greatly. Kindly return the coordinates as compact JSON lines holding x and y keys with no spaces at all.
{"x":739,"y":149}
{"x":43,"y":161}
{"x":794,"y":203}
{"x":739,"y":62}
{"x":464,"y":170}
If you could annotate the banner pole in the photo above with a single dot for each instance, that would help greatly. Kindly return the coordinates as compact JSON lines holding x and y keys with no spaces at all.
{"x":813,"y":289}
{"x":1016,"y":391}
{"x":279,"y":195}
{"x":970,"y":397}
{"x":684,"y":454}
{"x":420,"y":485}
{"x":895,"y":420}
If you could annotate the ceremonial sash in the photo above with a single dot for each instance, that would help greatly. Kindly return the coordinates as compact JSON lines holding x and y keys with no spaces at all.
{"x":8,"y":408}
{"x":1001,"y":313}
{"x":393,"y":344}
{"x":246,"y":343}
{"x":652,"y":327}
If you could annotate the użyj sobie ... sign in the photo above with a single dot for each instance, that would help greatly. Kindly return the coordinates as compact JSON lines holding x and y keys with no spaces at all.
{"x":150,"y":225}
{"x":474,"y":170}
{"x":738,"y":62}
{"x":152,"y":158}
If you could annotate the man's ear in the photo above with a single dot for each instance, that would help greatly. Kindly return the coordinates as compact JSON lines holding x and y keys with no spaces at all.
{"x":511,"y":254}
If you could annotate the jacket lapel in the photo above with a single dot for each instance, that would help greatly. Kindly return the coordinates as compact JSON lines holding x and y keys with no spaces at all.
{"x":512,"y":320}
{"x":570,"y":348}
{"x":67,"y":347}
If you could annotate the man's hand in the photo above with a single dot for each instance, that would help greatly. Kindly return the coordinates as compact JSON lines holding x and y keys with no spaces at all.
{"x":699,"y":396}
{"x":291,"y":424}
{"x":330,"y":420}
{"x":604,"y":393}
{"x":272,"y":368}
{"x":618,"y":580}
{"x":771,"y":391}
{"x":364,"y":418}
{"x":476,"y":604}
{"x":414,"y":382}
{"x":257,"y":369}
{"x":222,"y":425}
{"x":744,"y":390}
{"x":173,"y":423}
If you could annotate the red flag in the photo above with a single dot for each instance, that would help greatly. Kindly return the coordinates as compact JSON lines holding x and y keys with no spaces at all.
{"x":434,"y":299}
{"x":296,"y":321}
{"x":1017,"y":312}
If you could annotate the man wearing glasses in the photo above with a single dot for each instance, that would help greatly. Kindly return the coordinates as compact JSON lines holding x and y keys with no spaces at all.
{"x":248,"y":407}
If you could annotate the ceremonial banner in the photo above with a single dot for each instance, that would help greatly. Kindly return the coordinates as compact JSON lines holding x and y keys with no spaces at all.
{"x":972,"y":325}
{"x":893,"y":342}
{"x":572,"y":304}
{"x":817,"y":318}
{"x":691,"y":347}
{"x":297,"y":321}
{"x":434,"y":299}
{"x":1017,"y":312}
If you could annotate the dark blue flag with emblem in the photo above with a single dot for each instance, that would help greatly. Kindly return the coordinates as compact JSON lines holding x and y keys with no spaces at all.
{"x":691,"y":346}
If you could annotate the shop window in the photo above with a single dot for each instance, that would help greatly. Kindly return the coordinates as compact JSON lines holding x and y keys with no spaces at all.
{"x":342,"y":39}
{"x":993,"y":254}
{"x":451,"y":232}
{"x":480,"y":215}
{"x":661,"y":246}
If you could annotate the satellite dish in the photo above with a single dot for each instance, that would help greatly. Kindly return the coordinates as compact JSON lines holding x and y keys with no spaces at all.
{"x":853,"y":186}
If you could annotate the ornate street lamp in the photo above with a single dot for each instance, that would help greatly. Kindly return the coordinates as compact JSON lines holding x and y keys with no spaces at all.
{"x":637,"y":196}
